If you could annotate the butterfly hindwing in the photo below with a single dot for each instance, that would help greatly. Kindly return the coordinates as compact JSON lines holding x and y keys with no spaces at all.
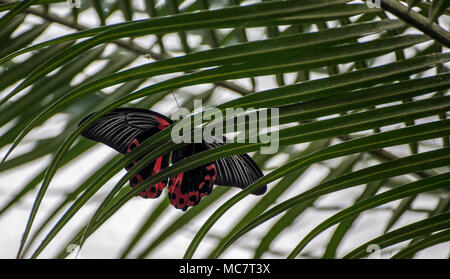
{"x":151,"y":169}
{"x":187,"y":188}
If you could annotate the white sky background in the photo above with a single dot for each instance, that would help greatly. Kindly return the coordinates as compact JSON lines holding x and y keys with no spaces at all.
{"x":108,"y":241}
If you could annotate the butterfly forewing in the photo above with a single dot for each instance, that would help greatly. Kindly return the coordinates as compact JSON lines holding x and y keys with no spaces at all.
{"x":237,"y":170}
{"x":120,"y":127}
{"x":125,"y":129}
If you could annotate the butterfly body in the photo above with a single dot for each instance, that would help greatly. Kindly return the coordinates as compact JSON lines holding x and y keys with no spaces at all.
{"x":124,"y":129}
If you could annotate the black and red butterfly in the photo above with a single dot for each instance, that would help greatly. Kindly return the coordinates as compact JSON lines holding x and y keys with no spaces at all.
{"x":126,"y":128}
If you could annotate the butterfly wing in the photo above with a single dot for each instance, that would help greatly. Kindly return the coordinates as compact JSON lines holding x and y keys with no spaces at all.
{"x":237,"y":170}
{"x":125,"y":129}
{"x":187,"y":188}
{"x":120,"y":127}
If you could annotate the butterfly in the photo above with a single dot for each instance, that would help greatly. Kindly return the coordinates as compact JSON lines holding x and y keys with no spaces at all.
{"x":124,"y":129}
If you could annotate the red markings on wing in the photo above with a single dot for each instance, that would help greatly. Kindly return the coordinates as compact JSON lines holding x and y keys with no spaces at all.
{"x":162,"y":122}
{"x":133,"y":144}
{"x":212,"y":168}
{"x":176,"y":198}
{"x":191,"y":196}
{"x":206,"y":187}
{"x":153,"y":191}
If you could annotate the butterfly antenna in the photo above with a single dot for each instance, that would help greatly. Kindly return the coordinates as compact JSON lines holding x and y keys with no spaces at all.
{"x":176,"y":101}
